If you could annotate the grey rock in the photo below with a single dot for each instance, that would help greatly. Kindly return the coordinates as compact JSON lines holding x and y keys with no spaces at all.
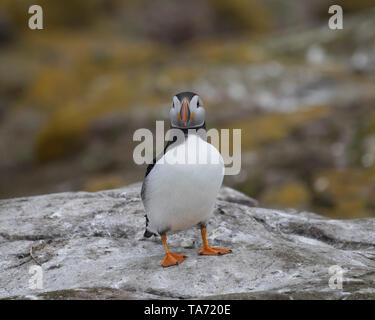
{"x":91,"y":246}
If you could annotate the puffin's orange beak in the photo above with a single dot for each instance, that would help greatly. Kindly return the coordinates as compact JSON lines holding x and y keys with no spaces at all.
{"x":184,"y":113}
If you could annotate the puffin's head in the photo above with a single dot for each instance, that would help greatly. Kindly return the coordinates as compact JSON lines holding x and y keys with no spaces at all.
{"x":187,"y":111}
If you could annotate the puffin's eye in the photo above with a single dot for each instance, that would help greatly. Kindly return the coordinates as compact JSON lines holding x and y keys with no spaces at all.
{"x":198,"y":103}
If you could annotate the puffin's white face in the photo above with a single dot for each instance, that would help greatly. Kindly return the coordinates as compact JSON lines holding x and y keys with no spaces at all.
{"x":187,"y":111}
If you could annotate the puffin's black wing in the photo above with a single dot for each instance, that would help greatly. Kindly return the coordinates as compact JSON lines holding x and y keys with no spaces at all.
{"x":151,"y":165}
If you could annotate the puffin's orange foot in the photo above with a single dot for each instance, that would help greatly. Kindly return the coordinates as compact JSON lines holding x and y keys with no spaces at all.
{"x":172,"y":259}
{"x":210,"y":251}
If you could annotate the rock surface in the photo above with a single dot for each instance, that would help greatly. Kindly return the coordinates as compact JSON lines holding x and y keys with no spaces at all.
{"x":91,"y":246}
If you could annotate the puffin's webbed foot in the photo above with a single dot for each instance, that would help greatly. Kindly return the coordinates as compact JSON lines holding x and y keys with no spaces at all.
{"x":207,"y":250}
{"x":172,"y":259}
{"x":210,"y":251}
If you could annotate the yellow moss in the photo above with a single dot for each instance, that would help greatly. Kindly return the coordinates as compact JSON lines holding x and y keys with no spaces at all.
{"x":118,"y":69}
{"x":370,"y":124}
{"x":137,"y":53}
{"x":288,"y":195}
{"x":269,"y":128}
{"x":346,"y":208}
{"x":64,"y":133}
{"x":229,"y":51}
{"x":250,"y":15}
{"x":110,"y":92}
{"x":351,"y":191}
{"x":51,"y":86}
{"x":181,"y":73}
{"x":349,"y":183}
{"x":56,"y":13}
{"x":103,"y":182}
{"x":68,"y":123}
{"x":80,"y":47}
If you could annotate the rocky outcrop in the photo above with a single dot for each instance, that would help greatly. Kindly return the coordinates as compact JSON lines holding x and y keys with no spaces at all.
{"x":91,"y":245}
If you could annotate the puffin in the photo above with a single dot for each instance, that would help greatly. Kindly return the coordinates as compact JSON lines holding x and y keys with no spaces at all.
{"x":181,"y":184}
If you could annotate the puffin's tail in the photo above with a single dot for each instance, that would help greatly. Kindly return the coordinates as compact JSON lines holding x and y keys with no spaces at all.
{"x":148,"y":234}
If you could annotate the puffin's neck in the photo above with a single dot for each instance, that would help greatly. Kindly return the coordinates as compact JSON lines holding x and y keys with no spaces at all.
{"x":186,"y":130}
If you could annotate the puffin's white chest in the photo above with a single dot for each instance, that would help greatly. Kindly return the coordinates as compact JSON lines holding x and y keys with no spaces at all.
{"x":183,"y":185}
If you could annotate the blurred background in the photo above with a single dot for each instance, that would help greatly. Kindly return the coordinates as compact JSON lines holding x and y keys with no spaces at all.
{"x":72,"y":94}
